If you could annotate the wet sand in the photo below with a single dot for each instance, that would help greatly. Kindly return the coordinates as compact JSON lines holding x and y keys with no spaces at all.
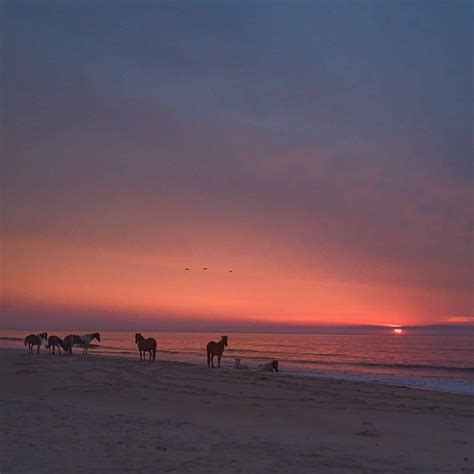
{"x":87,"y":413}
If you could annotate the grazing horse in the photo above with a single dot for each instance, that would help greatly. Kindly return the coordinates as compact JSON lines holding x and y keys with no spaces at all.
{"x":35,"y":340}
{"x":269,"y":366}
{"x":216,"y":348}
{"x":69,"y":341}
{"x":53,"y":342}
{"x":146,"y":345}
{"x":86,"y":340}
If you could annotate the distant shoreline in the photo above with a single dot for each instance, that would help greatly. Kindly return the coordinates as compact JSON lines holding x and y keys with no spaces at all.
{"x":461,"y":330}
{"x":227,"y":365}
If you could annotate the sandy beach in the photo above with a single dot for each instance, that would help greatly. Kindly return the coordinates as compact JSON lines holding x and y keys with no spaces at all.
{"x":87,"y":413}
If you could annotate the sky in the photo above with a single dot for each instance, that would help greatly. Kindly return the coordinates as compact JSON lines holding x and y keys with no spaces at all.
{"x":319,"y":150}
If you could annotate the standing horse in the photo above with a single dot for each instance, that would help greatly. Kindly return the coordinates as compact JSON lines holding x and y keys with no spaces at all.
{"x":53,"y":342}
{"x":35,"y":340}
{"x":216,"y":348}
{"x":86,"y":340}
{"x":69,"y":341}
{"x":146,"y":345}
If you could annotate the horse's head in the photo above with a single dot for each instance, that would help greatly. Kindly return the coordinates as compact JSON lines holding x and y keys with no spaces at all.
{"x":275,"y":365}
{"x":138,"y":337}
{"x":224,"y":338}
{"x":96,"y":335}
{"x":43,"y":335}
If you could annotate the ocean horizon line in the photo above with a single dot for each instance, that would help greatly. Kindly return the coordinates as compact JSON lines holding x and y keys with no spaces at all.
{"x":460,"y":329}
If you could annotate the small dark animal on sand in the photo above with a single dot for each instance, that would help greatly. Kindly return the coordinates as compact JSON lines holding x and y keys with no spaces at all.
{"x":216,"y":348}
{"x":269,"y":366}
{"x":146,"y":345}
{"x":53,"y":343}
{"x":35,"y":340}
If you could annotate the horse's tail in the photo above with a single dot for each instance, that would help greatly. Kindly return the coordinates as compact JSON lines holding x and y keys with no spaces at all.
{"x":208,"y":357}
{"x":154,"y":353}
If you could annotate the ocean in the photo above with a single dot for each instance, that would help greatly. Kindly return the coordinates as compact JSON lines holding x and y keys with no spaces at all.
{"x":442,"y":363}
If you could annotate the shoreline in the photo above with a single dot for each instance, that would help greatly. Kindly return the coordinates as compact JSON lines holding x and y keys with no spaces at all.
{"x":366,"y":378}
{"x":78,"y":413}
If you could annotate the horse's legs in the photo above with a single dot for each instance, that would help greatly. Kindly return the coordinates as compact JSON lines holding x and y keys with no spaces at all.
{"x":38,"y":350}
{"x":219,"y":360}
{"x":212,"y":360}
{"x":150,"y":354}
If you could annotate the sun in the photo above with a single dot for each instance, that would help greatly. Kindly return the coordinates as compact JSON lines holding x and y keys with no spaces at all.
{"x":398,"y":331}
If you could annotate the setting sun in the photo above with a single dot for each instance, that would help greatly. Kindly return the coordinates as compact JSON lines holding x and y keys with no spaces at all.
{"x":398,"y":331}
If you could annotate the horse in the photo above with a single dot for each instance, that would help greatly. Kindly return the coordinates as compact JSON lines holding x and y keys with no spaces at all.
{"x":86,"y":339}
{"x":69,"y":341}
{"x":216,"y":348}
{"x":146,"y":345}
{"x":269,"y":366}
{"x":35,"y":340}
{"x":53,"y":342}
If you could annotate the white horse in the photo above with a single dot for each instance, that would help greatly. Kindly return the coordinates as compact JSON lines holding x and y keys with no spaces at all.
{"x":86,"y":339}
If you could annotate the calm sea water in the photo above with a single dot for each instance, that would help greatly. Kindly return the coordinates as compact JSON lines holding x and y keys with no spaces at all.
{"x":444,"y":363}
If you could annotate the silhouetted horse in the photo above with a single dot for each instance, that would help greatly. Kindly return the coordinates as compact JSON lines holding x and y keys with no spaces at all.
{"x":53,"y":342}
{"x":146,"y":345}
{"x":86,"y":340}
{"x":216,"y":348}
{"x":69,"y":341}
{"x":35,"y":340}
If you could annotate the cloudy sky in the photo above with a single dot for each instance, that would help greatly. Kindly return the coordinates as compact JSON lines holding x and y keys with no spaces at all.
{"x":321,"y":151}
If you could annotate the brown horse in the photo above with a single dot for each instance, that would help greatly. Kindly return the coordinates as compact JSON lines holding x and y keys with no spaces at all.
{"x":146,"y":345}
{"x":35,"y":340}
{"x":216,"y":348}
{"x":53,"y":342}
{"x":69,"y":341}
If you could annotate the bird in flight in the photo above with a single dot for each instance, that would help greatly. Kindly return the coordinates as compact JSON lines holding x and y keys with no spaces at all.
{"x":205,"y":268}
